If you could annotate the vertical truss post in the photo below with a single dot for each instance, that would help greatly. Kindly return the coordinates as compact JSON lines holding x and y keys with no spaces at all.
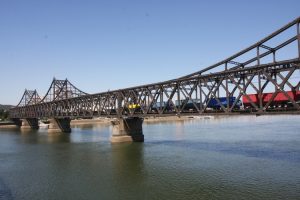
{"x":244,"y":84}
{"x":259,"y":81}
{"x":200,"y":88}
{"x":298,"y":34}
{"x":275,"y":79}
{"x":196,"y":91}
{"x":227,"y":92}
{"x":259,"y":92}
{"x":119,"y":104}
{"x":161,"y":98}
{"x":218,"y":90}
{"x":257,"y":54}
{"x":25,"y":97}
{"x":178,"y":95}
{"x":66,"y":89}
{"x":53,"y":94}
{"x":148,"y":98}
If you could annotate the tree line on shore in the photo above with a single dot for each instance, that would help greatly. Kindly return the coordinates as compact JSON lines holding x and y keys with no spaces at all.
{"x":3,"y":114}
{"x":4,"y":111}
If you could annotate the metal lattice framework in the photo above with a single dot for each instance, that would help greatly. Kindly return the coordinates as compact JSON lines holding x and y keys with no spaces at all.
{"x":61,"y":89}
{"x":257,"y":75}
{"x":29,"y":97}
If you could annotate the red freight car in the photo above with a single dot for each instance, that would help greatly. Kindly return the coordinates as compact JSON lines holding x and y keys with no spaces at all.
{"x":280,"y":98}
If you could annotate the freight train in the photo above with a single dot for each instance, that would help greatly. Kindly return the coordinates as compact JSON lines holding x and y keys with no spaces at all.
{"x":188,"y":104}
{"x":215,"y":104}
{"x":280,"y":100}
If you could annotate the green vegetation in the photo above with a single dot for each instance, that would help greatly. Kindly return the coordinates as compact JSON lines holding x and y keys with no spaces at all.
{"x":3,"y":114}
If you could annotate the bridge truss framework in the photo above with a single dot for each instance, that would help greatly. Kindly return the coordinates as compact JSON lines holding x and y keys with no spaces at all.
{"x":239,"y":76}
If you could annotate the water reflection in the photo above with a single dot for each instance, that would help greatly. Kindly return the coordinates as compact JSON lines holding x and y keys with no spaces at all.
{"x":84,"y":126}
{"x":58,"y":138}
{"x":179,"y":130}
{"x":128,"y":166}
{"x":42,"y":136}
{"x":28,"y":131}
{"x":90,"y":133}
{"x":29,"y":136}
{"x":5,"y":191}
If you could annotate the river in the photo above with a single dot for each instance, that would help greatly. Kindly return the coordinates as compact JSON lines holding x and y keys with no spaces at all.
{"x":240,"y":157}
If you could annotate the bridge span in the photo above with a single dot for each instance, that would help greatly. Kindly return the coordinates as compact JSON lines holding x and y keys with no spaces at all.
{"x":261,"y":79}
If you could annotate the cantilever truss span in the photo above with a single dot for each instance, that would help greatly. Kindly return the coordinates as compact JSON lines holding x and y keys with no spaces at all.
{"x":260,"y":79}
{"x":29,"y":97}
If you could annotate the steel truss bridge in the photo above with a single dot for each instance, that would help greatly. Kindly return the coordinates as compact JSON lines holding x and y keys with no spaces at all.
{"x":269,"y":67}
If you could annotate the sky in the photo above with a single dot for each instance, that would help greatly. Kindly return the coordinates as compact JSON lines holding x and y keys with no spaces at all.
{"x":106,"y":45}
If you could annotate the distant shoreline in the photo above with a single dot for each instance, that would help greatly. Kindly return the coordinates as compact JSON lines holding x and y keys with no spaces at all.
{"x":8,"y":125}
{"x":147,"y":120}
{"x":107,"y":121}
{"x":91,"y":121}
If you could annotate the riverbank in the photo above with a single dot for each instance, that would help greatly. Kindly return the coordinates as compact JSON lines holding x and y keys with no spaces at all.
{"x":7,"y":124}
{"x":152,"y":120}
{"x":91,"y":121}
{"x":107,"y":121}
{"x":146,"y":120}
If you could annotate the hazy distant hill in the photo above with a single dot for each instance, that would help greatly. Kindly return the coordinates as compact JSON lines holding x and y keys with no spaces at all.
{"x":5,"y":107}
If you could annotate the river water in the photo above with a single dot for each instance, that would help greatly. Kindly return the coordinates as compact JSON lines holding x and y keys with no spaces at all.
{"x":243,"y":157}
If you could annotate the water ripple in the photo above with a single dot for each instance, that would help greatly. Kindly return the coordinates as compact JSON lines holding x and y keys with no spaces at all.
{"x":5,"y":192}
{"x":255,"y":149}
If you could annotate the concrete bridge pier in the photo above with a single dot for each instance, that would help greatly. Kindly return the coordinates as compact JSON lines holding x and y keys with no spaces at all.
{"x":127,"y":130}
{"x":17,"y":121}
{"x":59,"y":125}
{"x":30,"y":123}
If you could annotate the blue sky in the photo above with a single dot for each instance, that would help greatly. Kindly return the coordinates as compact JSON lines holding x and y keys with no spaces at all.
{"x":101,"y":45}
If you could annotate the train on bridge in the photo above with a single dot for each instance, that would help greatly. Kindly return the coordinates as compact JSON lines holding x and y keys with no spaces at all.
{"x":280,"y":101}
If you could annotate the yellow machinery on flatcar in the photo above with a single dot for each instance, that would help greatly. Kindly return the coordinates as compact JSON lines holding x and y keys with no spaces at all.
{"x":134,"y":106}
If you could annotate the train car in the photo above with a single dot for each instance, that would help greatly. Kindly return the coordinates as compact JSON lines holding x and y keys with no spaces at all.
{"x":279,"y":100}
{"x":189,"y":104}
{"x":164,"y":105}
{"x":134,"y":106}
{"x":214,"y":104}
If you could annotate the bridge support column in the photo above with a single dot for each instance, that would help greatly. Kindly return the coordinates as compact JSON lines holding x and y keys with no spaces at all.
{"x":58,"y":125}
{"x":127,"y":130}
{"x":30,"y":123}
{"x":17,"y":121}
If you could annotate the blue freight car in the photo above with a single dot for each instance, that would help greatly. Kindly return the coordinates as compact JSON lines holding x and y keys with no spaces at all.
{"x":213,"y":103}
